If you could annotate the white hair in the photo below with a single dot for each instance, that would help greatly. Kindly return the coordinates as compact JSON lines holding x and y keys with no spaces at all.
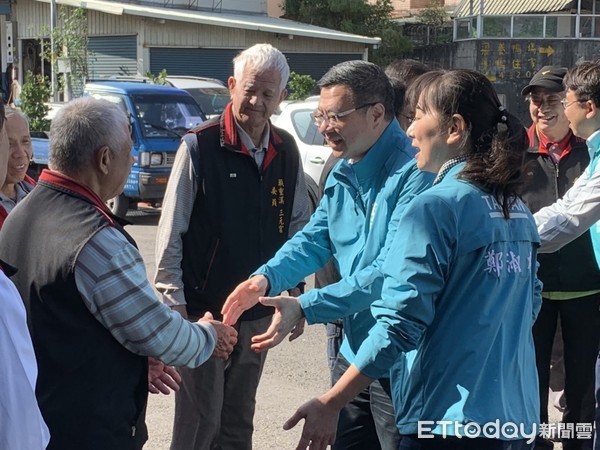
{"x":262,"y":57}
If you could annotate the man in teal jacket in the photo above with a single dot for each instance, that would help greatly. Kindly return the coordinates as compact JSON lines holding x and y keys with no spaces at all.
{"x":364,"y":197}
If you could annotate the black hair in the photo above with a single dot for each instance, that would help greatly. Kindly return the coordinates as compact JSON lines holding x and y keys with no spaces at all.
{"x":584,"y":81}
{"x":402,"y":72}
{"x":367,"y":81}
{"x":496,"y":140}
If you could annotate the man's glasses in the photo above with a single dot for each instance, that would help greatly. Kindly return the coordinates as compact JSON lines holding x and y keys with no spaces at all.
{"x":548,"y":100}
{"x":566,"y":103}
{"x":334,"y":118}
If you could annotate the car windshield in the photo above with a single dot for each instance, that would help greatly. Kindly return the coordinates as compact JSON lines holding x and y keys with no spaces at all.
{"x":164,"y":116}
{"x":211,"y":100}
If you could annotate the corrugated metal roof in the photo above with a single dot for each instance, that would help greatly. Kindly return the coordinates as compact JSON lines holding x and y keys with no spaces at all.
{"x":256,"y":23}
{"x":509,"y":7}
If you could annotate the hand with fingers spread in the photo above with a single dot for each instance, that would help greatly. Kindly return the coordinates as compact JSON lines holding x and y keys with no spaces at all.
{"x":288,"y":316}
{"x":226,"y":337}
{"x":320,"y":424}
{"x":244,"y":297}
{"x":162,"y":379}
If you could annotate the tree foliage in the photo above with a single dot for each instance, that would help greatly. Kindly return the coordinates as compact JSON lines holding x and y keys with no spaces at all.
{"x":70,"y":44}
{"x":356,"y":17}
{"x":301,"y":86}
{"x":160,"y":78}
{"x":34,"y":95}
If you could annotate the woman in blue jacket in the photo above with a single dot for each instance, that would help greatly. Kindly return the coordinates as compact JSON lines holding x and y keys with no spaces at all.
{"x":460,"y":287}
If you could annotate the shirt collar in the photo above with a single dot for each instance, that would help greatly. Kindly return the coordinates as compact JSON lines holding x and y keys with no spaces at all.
{"x":247,"y":142}
{"x":593,"y":142}
{"x":448,"y":166}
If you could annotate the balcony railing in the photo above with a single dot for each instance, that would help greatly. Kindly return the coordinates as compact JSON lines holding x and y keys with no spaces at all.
{"x":528,"y":26}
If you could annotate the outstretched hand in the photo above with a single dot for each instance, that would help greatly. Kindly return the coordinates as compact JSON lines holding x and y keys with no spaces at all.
{"x":320,"y":424}
{"x":288,"y":316}
{"x":162,"y":378}
{"x":226,"y":337}
{"x":243,"y":297}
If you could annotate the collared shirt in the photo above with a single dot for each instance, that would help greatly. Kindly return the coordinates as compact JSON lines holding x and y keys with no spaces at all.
{"x":8,"y":203}
{"x":579,"y":209}
{"x":556,"y":150}
{"x":257,"y":152}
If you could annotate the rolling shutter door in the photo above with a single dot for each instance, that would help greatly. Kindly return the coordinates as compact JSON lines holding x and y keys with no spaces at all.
{"x":112,"y":55}
{"x":217,"y":63}
{"x":198,"y":62}
{"x":316,"y":64}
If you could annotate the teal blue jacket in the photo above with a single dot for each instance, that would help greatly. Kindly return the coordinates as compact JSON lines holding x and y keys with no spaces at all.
{"x":461,"y":288}
{"x":361,"y":205}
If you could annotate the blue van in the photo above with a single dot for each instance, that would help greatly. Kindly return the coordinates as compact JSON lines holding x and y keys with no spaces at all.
{"x":159,"y":116}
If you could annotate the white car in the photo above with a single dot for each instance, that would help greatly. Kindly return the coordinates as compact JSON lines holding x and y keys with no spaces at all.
{"x":211,"y":94}
{"x":296,"y":119}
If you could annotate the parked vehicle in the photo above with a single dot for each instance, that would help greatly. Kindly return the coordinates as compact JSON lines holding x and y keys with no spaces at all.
{"x":296,"y":119}
{"x":211,"y":94}
{"x":159,"y":116}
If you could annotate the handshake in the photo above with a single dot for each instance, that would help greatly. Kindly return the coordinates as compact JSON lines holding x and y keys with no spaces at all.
{"x":226,"y":335}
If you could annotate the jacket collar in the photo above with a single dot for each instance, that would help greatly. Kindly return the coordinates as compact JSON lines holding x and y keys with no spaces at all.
{"x":60,"y":182}
{"x":380,"y":156}
{"x":230,"y":137}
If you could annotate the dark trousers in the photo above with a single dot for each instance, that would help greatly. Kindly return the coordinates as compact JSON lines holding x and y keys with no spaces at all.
{"x":597,"y":417}
{"x":580,"y":322}
{"x":214,"y":408}
{"x":411,"y":442}
{"x":368,"y":421}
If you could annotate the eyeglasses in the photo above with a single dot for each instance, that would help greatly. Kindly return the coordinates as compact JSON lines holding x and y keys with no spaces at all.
{"x":409,"y":118}
{"x":334,"y":118}
{"x":548,"y":100}
{"x":566,"y":103}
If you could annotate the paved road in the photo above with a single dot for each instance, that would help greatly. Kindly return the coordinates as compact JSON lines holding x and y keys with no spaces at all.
{"x":294,"y":371}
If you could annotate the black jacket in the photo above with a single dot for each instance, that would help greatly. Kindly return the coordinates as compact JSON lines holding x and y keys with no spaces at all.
{"x":91,"y":390}
{"x":241,"y":214}
{"x":573,"y":268}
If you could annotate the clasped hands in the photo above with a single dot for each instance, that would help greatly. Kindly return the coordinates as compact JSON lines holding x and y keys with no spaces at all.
{"x":288,"y":317}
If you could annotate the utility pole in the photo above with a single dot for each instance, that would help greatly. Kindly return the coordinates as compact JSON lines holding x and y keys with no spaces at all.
{"x":53,"y":83}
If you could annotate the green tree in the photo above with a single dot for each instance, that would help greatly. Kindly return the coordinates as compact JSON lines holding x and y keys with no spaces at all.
{"x":301,"y":86}
{"x":437,"y":22}
{"x":34,"y":95}
{"x":357,"y":17}
{"x":160,"y":78}
{"x":70,"y":47}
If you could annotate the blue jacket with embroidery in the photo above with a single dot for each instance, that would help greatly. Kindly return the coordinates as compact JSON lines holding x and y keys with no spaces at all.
{"x":361,"y":205}
{"x":463,"y":292}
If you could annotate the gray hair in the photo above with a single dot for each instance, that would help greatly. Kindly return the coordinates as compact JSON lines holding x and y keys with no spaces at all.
{"x":367,"y":82}
{"x":10,"y":111}
{"x":80,"y":128}
{"x":262,"y":57}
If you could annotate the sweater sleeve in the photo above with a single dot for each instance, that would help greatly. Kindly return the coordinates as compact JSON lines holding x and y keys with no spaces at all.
{"x":111,"y":278}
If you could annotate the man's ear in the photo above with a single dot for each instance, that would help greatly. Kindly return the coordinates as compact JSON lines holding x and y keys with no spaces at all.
{"x":103,"y":159}
{"x":592,"y":109}
{"x":456,"y":130}
{"x":378,"y":111}
{"x":283,"y":95}
{"x":230,"y":84}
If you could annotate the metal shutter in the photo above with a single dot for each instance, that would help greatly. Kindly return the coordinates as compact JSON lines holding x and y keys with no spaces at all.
{"x":112,"y":55}
{"x":217,"y":63}
{"x":198,"y":62}
{"x":316,"y":64}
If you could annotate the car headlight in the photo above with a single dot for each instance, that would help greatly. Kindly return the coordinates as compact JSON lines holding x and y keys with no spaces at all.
{"x":156,"y":159}
{"x":144,"y":159}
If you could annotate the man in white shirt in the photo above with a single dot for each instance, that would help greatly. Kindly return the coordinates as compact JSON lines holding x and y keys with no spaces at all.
{"x":579,"y":209}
